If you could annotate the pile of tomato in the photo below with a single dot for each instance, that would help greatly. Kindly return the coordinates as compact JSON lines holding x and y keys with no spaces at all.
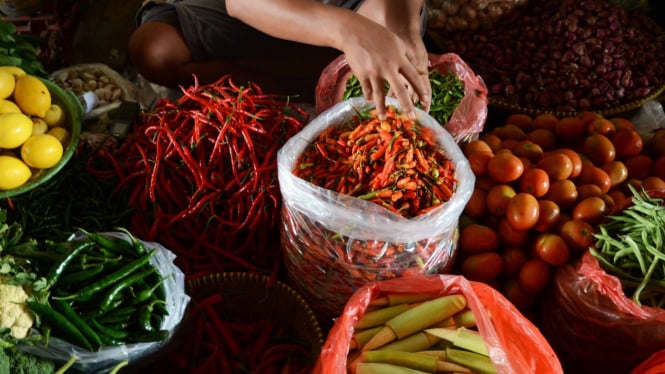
{"x":543,"y":185}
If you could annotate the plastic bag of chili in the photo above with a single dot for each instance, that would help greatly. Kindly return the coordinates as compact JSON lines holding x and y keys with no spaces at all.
{"x":334,"y":242}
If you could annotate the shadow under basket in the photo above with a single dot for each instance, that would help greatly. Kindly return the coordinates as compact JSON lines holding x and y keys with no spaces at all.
{"x":251,"y":297}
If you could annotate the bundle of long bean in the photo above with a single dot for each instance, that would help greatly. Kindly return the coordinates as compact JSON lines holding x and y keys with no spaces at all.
{"x":631,"y":246}
{"x":201,"y":171}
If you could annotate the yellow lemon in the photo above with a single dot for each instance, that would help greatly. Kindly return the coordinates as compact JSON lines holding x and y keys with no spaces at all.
{"x":39,"y":126}
{"x":15,"y":128}
{"x":7,"y":84}
{"x":42,"y":151}
{"x":13,"y":172}
{"x":14,"y":70}
{"x":8,"y":106}
{"x":55,"y":116}
{"x":32,"y":95}
{"x":60,"y":133}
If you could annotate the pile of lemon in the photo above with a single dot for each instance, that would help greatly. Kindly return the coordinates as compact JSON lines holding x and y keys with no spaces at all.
{"x":32,"y":128}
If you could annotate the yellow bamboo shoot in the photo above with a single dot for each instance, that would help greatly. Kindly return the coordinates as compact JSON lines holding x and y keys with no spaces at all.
{"x":417,"y":318}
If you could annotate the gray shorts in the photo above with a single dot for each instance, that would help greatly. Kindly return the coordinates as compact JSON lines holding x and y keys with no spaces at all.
{"x":211,"y":33}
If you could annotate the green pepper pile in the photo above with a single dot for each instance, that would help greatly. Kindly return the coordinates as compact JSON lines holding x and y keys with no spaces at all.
{"x":103,"y":290}
{"x":447,"y":93}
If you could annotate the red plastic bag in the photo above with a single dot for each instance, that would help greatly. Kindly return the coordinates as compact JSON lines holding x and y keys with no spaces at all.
{"x":593,"y":326}
{"x":515,"y":344}
{"x":653,"y":365}
{"x":467,"y":121}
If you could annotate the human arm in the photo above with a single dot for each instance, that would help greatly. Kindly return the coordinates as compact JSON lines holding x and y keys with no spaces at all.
{"x":375,"y":54}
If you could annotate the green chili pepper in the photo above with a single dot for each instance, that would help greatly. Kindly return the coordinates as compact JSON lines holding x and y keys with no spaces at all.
{"x":67,"y":311}
{"x":146,"y":293}
{"x":59,"y":267}
{"x":115,"y":245}
{"x":90,"y":290}
{"x":119,"y":335}
{"x":145,"y":315}
{"x":113,"y":293}
{"x":61,"y":323}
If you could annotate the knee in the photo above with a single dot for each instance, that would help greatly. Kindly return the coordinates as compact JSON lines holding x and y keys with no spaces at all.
{"x":156,"y":55}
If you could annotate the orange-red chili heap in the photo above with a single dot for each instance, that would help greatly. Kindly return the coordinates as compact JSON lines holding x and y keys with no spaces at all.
{"x":395,"y":163}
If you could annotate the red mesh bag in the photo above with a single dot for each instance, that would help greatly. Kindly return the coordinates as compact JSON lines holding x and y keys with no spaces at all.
{"x":515,"y":344}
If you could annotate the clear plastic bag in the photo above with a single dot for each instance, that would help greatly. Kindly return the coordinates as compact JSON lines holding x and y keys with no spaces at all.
{"x":468,"y":119}
{"x":649,"y":118}
{"x":334,"y":243}
{"x":103,"y":360}
{"x":515,"y":345}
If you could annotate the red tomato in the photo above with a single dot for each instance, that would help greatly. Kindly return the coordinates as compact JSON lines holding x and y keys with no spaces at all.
{"x":653,"y":183}
{"x":575,"y":158}
{"x":557,"y":165}
{"x":476,"y":146}
{"x":521,"y":120}
{"x":592,"y":209}
{"x":639,"y":166}
{"x":522,"y":211}
{"x":482,"y":267}
{"x":528,"y":150}
{"x":617,"y":171}
{"x":535,"y":181}
{"x":544,"y":121}
{"x":498,"y":197}
{"x":478,"y":162}
{"x":569,"y":129}
{"x":658,"y":142}
{"x":513,"y":259}
{"x":588,"y":190}
{"x":545,"y":138}
{"x":477,"y":238}
{"x":598,"y":148}
{"x":476,"y":207}
{"x":534,"y":275}
{"x":627,"y":143}
{"x":551,"y":248}
{"x":595,"y":175}
{"x":548,"y":217}
{"x":578,"y":234}
{"x":517,"y":295}
{"x":509,"y":236}
{"x":601,"y":126}
{"x":659,"y":166}
{"x":492,"y":140}
{"x":563,"y":193}
{"x":509,"y":131}
{"x":505,"y":167}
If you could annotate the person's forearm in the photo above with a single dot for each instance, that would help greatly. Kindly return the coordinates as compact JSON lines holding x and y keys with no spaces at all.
{"x":304,"y":21}
{"x":403,"y":17}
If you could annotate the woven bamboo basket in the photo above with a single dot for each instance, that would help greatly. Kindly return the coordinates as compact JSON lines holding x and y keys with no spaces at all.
{"x":251,"y":297}
{"x":627,"y":109}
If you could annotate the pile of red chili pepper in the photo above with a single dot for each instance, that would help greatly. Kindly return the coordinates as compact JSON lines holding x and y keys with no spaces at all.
{"x":202,"y":175}
{"x":395,"y":163}
{"x":216,"y":344}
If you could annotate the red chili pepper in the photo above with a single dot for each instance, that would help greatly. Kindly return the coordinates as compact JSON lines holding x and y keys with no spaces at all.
{"x":207,"y":160}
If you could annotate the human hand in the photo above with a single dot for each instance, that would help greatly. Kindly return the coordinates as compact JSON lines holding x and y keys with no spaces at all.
{"x":378,"y":56}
